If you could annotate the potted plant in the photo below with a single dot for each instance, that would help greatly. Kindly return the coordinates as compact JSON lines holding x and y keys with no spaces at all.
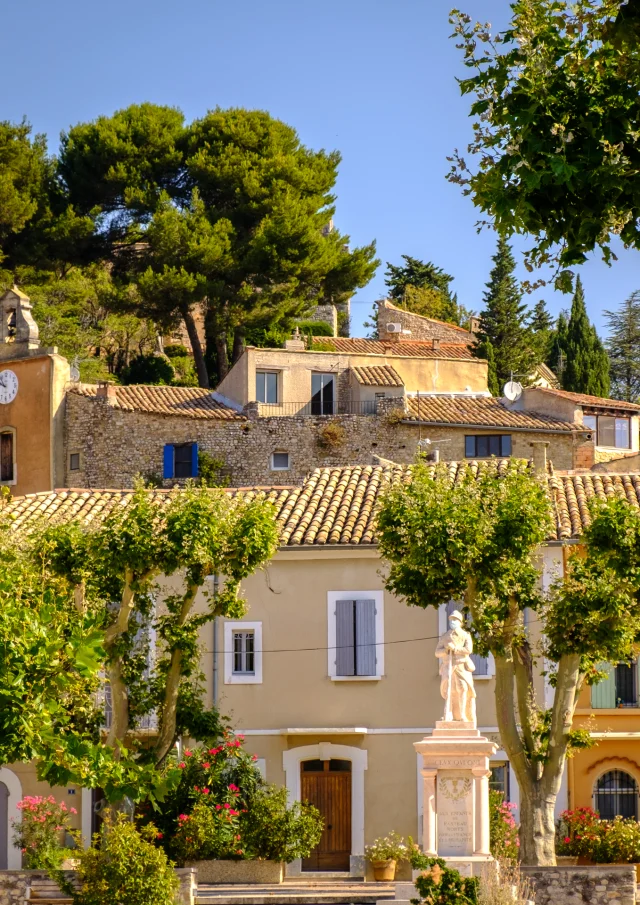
{"x":384,"y":854}
{"x":576,"y":833}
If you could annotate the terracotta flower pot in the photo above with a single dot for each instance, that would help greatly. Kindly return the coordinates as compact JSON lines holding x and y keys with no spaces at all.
{"x":566,"y":860}
{"x":384,"y":870}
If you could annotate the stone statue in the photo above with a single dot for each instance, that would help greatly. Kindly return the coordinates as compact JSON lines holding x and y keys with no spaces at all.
{"x":456,"y":672}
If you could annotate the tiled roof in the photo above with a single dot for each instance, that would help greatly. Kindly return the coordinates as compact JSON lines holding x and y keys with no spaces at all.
{"x":479,"y":411}
{"x":571,"y":493}
{"x":592,"y":401}
{"x":544,"y":371}
{"x":187,"y":402}
{"x":333,"y":506}
{"x":378,"y":376}
{"x":407,"y":348}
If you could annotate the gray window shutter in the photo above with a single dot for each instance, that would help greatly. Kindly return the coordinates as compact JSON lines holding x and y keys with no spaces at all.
{"x":345,"y":660}
{"x":604,"y":693}
{"x":366,"y":637}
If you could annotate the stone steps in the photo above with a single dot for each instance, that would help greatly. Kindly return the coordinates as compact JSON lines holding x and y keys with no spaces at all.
{"x":295,"y":892}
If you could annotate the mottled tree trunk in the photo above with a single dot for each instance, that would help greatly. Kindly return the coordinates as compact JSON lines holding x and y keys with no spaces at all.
{"x":196,"y":347}
{"x":238,"y":344}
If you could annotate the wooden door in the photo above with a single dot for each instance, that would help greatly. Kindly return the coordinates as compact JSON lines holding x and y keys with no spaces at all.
{"x":330,"y":791}
{"x":6,"y":457}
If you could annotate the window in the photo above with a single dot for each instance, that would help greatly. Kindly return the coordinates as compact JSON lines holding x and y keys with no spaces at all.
{"x":499,"y":780}
{"x":610,"y":430}
{"x":616,"y":795}
{"x":243,"y":653}
{"x":7,"y":457}
{"x":244,"y":658}
{"x":180,"y":460}
{"x":356,"y":625}
{"x":481,"y":446}
{"x":619,"y":689}
{"x":483,"y":665}
{"x":322,"y":394}
{"x":279,"y":461}
{"x":267,"y":387}
{"x":74,"y":462}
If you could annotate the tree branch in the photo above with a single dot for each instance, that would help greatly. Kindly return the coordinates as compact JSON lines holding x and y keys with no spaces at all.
{"x":564,"y":704}
{"x":523,"y":666}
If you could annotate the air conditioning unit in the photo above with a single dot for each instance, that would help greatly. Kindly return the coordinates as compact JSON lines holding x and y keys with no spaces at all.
{"x":394,"y":328}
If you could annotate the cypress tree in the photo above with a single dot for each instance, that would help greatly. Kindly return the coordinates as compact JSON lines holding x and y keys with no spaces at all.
{"x":484,"y":349}
{"x":587,"y":362}
{"x":623,"y":346}
{"x":558,"y":356}
{"x":503,"y":320}
{"x":542,"y":331}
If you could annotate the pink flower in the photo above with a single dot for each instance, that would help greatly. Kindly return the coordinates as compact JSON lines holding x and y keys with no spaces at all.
{"x":233,"y":787}
{"x":226,"y":805}
{"x":206,"y":766}
{"x":254,"y":757}
{"x":218,"y":807}
{"x":567,"y":840}
{"x":72,"y":811}
{"x":182,"y":818}
{"x":159,"y":835}
{"x":206,"y":791}
{"x":188,"y":754}
{"x":182,"y":765}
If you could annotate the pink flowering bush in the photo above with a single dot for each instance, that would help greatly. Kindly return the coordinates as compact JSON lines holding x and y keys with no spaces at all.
{"x":207,"y":833}
{"x":40,"y":836}
{"x":581,"y":832}
{"x":577,"y":832}
{"x":503,"y":828}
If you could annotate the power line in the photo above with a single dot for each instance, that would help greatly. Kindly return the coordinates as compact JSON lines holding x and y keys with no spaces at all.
{"x":294,"y":650}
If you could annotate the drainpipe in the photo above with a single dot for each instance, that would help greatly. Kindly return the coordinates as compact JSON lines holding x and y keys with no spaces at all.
{"x":216,"y":655}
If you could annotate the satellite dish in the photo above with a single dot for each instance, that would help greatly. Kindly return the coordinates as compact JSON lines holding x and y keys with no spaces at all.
{"x":512,"y":390}
{"x":74,"y":373}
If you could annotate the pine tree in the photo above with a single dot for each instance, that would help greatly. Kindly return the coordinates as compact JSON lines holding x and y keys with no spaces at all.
{"x":503,"y":321}
{"x":484,"y":349}
{"x":542,"y":331}
{"x":587,"y":367}
{"x":558,"y":356}
{"x":623,"y":346}
{"x":424,"y":289}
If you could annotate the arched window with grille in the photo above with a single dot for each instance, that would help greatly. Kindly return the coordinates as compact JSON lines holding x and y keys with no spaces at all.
{"x":616,"y":795}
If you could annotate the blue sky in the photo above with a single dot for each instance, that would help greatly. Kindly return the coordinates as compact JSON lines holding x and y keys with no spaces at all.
{"x":376,"y":80}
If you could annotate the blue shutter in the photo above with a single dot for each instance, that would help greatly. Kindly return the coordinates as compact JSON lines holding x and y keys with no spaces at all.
{"x":194,"y":460}
{"x":604,"y":693}
{"x":366,"y":637}
{"x":345,"y":665}
{"x":168,"y":471}
{"x":506,"y":445}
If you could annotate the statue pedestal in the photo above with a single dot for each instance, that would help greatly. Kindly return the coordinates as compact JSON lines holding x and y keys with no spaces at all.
{"x":455,"y":776}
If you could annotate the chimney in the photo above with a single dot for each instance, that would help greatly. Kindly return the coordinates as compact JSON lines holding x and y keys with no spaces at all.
{"x":539,"y":456}
{"x":435,"y":345}
{"x":296,"y":343}
{"x":106,"y":391}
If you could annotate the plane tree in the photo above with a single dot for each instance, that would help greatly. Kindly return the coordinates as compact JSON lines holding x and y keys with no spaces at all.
{"x":475,"y":540}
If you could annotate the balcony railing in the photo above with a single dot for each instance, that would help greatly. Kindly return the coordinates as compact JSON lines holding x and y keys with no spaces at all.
{"x":316,"y":409}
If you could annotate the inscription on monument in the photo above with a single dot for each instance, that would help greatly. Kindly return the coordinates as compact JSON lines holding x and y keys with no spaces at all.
{"x":455,"y":812}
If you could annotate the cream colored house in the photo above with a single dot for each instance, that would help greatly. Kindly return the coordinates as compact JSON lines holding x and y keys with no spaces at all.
{"x":330,"y":678}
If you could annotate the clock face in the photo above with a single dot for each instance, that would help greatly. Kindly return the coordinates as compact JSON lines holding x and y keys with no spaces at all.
{"x":8,"y":386}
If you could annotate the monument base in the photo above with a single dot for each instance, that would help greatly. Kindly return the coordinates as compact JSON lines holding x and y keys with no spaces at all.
{"x":473,"y":866}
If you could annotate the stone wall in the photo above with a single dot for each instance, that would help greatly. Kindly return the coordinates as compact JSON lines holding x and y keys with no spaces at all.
{"x":116,"y":446}
{"x":19,"y":886}
{"x":421,"y":327}
{"x":603,"y":884}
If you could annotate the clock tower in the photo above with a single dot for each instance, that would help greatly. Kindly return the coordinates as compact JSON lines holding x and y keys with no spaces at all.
{"x":33,"y":381}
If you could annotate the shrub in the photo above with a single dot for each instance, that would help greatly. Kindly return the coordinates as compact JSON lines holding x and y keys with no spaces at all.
{"x":40,"y":835}
{"x":149,"y":369}
{"x":323,"y":346}
{"x":209,"y":470}
{"x":315,"y":328}
{"x":503,"y":829}
{"x":274,"y":830}
{"x":385,"y":848}
{"x":617,"y":841}
{"x":175,"y":350}
{"x":577,"y":831}
{"x":441,"y":885}
{"x":208,"y":833}
{"x":331,"y":436}
{"x":124,"y":867}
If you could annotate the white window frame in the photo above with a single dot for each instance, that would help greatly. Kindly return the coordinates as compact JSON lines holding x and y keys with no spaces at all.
{"x":332,"y":597}
{"x":278,"y":385}
{"x":280,"y":452}
{"x":231,"y":678}
{"x":14,"y":449}
{"x":443,"y":627}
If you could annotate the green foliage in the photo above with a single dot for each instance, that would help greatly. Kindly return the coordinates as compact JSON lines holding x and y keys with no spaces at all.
{"x":315,"y":328}
{"x":207,"y":834}
{"x":542,"y":329}
{"x":441,"y":885}
{"x":504,"y":320}
{"x":587,"y":363}
{"x":24,"y":172}
{"x":124,"y":866}
{"x":391,"y":847}
{"x":556,"y":116}
{"x":581,"y":832}
{"x":502,"y":828}
{"x":209,"y":470}
{"x":623,"y":348}
{"x":175,"y":350}
{"x":40,"y":833}
{"x":279,"y":831}
{"x":484,"y":349}
{"x":424,"y":289}
{"x":151,"y":368}
{"x":577,"y":831}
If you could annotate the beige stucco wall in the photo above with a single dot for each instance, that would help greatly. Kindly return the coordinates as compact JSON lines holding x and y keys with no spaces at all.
{"x":534,"y":399}
{"x":296,"y":369}
{"x":37,"y":416}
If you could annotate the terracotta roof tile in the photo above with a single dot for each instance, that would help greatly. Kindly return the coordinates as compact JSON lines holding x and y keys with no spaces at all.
{"x":378,"y":376}
{"x":408,"y":348}
{"x":592,"y":401}
{"x":187,"y":402}
{"x":571,"y":494}
{"x":480,"y":411}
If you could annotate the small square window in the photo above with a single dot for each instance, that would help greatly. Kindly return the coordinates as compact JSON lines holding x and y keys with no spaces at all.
{"x":280,"y":461}
{"x":74,"y":462}
{"x":244,"y":662}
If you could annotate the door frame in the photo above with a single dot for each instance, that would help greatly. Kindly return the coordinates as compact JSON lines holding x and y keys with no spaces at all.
{"x":291,"y":761}
{"x":14,"y":786}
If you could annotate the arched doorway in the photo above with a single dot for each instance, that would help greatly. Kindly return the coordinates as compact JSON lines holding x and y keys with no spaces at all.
{"x":4,"y":827}
{"x":616,"y":795}
{"x":326,"y":784}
